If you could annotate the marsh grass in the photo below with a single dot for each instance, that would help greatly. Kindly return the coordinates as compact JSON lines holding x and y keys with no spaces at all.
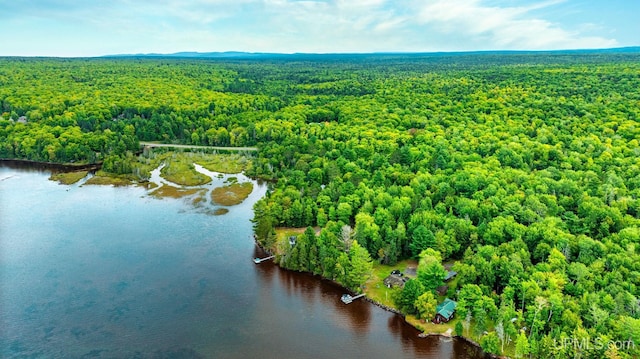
{"x":179,"y":166}
{"x":199,"y":200}
{"x":148,"y":185}
{"x":68,"y":177}
{"x":174,"y":192}
{"x":105,"y":178}
{"x":229,"y":164}
{"x":179,"y":169}
{"x":220,"y":211}
{"x":232,"y":194}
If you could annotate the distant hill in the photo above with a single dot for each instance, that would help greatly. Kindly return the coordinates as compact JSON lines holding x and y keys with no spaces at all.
{"x":193,"y":54}
{"x":240,"y":54}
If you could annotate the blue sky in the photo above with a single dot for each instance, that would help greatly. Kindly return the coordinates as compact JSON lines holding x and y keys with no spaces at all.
{"x":99,"y":27}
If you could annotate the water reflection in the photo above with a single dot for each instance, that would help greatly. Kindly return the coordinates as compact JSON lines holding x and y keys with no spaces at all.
{"x":361,"y":317}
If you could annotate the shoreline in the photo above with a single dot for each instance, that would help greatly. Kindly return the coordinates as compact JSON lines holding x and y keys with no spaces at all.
{"x":425,"y":334}
{"x":390,"y":309}
{"x":51,"y":165}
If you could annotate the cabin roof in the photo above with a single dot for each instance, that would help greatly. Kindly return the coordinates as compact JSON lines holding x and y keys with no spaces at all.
{"x":447,"y":308}
{"x":394,"y":280}
{"x":450,"y":275}
{"x":442,"y":290}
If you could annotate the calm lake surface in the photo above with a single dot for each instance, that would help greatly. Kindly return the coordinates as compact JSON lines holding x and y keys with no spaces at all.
{"x":104,"y":272}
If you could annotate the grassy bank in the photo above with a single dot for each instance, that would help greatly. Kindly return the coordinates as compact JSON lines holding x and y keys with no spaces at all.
{"x":375,"y":288}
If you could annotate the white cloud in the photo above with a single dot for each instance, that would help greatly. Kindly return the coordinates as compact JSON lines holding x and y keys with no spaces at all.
{"x":288,"y":26}
{"x":508,"y":27}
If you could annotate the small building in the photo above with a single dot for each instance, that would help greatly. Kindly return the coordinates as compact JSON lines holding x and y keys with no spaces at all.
{"x":445,"y":311}
{"x":442,"y":290}
{"x":450,"y":275}
{"x":395,"y":280}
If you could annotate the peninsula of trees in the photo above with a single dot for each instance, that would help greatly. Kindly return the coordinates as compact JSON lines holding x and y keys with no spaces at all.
{"x":522,"y":169}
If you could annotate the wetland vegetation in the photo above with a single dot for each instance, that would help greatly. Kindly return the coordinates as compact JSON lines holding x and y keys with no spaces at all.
{"x":231,"y":194}
{"x":69,"y":177}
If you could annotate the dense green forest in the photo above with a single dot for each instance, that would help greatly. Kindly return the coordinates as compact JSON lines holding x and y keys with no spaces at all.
{"x":523,"y":169}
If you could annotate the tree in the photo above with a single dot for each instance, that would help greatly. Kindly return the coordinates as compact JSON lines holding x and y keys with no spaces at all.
{"x":459,"y":328}
{"x":321,"y":217}
{"x":426,"y":305}
{"x":522,"y":345}
{"x":557,"y":261}
{"x":407,"y":297}
{"x":490,"y":343}
{"x":501,"y":335}
{"x":540,"y":303}
{"x":430,"y":271}
{"x":313,"y":255}
{"x":262,"y":220}
{"x":422,"y":239}
{"x":361,"y":267}
{"x":342,"y":270}
{"x":367,"y":232}
{"x":612,"y":352}
{"x":629,"y":329}
{"x":468,"y":297}
{"x":346,"y":234}
{"x":344,"y":212}
{"x":467,"y":322}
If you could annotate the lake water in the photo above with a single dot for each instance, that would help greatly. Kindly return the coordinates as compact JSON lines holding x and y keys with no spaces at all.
{"x":111,"y":272}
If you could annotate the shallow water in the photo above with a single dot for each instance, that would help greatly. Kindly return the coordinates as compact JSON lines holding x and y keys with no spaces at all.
{"x":106,"y":272}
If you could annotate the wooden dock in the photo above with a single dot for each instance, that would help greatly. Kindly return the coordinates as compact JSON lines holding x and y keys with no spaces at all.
{"x":347,"y":298}
{"x":260,"y":260}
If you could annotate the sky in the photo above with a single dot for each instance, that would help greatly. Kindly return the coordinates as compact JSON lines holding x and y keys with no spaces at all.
{"x":73,"y":28}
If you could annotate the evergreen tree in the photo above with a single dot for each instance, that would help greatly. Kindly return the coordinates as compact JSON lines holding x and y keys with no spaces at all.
{"x":522,"y":345}
{"x":361,"y":267}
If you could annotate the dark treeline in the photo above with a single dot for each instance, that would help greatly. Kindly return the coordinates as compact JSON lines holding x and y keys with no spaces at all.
{"x":522,"y":168}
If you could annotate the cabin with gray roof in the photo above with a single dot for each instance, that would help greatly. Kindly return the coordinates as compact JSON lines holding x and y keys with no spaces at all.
{"x":450,"y":275}
{"x":395,"y":279}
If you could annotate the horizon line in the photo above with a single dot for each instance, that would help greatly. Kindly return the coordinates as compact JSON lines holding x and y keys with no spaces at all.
{"x":238,"y":53}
